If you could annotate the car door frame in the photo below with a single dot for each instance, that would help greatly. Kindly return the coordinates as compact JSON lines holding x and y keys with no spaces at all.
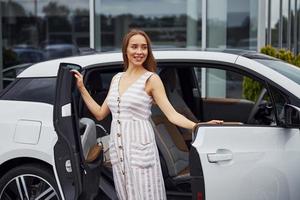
{"x":215,"y":157}
{"x":72,"y":170}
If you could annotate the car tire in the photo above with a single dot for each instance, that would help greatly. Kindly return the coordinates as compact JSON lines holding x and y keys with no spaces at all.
{"x":29,"y":182}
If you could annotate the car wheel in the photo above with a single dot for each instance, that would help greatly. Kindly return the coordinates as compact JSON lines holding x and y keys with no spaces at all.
{"x":28,"y":182}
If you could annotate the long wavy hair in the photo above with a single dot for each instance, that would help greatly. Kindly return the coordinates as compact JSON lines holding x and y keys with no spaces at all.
{"x":150,"y":63}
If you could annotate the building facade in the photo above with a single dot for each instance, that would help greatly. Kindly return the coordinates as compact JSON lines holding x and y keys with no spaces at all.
{"x":36,"y":30}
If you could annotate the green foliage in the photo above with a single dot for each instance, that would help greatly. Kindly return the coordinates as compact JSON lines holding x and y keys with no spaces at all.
{"x":296,"y":60}
{"x":251,"y":88}
{"x":282,"y":54}
{"x":268,"y":50}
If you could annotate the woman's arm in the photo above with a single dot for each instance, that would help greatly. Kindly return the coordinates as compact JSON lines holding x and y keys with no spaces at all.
{"x":99,"y":112}
{"x":158,"y":93}
{"x":157,"y":90}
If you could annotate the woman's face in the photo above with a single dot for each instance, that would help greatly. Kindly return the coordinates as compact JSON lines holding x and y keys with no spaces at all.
{"x":137,"y":50}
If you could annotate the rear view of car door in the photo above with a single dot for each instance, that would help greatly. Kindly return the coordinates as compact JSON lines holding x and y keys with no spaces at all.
{"x":78,"y":179}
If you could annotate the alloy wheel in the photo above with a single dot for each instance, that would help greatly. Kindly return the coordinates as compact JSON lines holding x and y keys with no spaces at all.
{"x":28,"y":187}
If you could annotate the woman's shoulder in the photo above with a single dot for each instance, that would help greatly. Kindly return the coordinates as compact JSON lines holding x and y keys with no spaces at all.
{"x":153,"y":78}
{"x":153,"y":75}
{"x":117,"y":75}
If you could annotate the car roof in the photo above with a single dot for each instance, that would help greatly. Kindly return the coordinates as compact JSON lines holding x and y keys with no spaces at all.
{"x":50,"y":68}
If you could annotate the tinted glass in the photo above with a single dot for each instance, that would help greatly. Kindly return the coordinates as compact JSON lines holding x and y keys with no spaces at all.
{"x":168,"y":23}
{"x":285,"y":26}
{"x":233,"y":96}
{"x":40,"y":30}
{"x":219,"y":83}
{"x":280,"y":101}
{"x":290,"y":71}
{"x":36,"y":90}
{"x":298,"y":27}
{"x":232,"y":24}
{"x":275,"y":20}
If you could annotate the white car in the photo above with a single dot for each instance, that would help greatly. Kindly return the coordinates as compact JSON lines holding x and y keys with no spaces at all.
{"x":46,"y":130}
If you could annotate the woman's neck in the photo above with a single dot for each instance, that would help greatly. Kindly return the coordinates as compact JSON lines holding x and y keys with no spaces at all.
{"x":138,"y":69}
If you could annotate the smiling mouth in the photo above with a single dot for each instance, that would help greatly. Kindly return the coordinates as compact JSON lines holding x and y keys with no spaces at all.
{"x":138,"y":58}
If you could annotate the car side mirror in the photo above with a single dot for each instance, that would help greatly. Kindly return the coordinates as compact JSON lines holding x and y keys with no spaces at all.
{"x":291,"y":116}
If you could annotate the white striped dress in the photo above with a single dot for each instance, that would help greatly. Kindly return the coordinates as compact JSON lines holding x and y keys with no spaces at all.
{"x":133,"y":151}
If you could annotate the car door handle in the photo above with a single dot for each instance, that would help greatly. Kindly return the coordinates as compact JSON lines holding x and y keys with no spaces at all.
{"x":220,"y":156}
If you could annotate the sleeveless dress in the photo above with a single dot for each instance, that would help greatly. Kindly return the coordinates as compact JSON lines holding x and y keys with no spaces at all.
{"x":133,"y":151}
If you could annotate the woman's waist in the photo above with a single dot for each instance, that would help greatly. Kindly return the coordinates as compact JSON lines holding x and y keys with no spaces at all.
{"x":129,"y":119}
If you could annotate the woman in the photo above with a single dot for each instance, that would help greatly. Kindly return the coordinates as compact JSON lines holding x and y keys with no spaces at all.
{"x":133,"y":151}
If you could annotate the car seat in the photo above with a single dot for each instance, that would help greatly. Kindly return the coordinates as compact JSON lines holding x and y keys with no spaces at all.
{"x":88,"y":137}
{"x":98,"y":92}
{"x":169,"y":137}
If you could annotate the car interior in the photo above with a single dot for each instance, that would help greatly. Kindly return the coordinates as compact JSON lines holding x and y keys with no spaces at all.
{"x":174,"y":143}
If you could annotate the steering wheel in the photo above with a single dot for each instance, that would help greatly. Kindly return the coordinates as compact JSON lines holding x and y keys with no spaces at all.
{"x":255,"y":108}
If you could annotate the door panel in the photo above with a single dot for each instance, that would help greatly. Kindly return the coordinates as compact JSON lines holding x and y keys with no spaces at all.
{"x":226,"y":109}
{"x":249,"y":162}
{"x":78,"y":179}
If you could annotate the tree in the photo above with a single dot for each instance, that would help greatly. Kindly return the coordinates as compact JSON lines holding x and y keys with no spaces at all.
{"x":52,"y":9}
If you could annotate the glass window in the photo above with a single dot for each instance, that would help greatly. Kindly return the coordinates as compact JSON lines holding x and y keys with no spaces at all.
{"x":40,"y":30}
{"x":293,"y":26}
{"x":268,"y":23}
{"x":285,"y":23}
{"x":32,"y":89}
{"x":232,"y":96}
{"x":290,"y":71}
{"x":280,"y":100}
{"x":221,"y":83}
{"x":169,"y":23}
{"x":298,"y":26}
{"x":232,"y":24}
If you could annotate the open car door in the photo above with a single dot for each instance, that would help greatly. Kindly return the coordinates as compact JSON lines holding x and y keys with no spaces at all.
{"x":249,"y":162}
{"x":78,"y":178}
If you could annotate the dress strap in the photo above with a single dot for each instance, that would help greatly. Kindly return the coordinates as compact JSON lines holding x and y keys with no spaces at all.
{"x":119,"y":74}
{"x":117,"y":77}
{"x":146,"y":76}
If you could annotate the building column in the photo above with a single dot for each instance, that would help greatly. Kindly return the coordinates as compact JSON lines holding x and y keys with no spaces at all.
{"x":280,"y":29}
{"x":269,"y":29}
{"x":261,"y":24}
{"x":203,"y":24}
{"x":92,"y":23}
{"x":289,"y":26}
{"x":1,"y":53}
{"x":294,"y":45}
{"x":203,"y":46}
{"x":192,"y":23}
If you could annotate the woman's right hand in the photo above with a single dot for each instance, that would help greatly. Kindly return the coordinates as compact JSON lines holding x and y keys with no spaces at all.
{"x":215,"y":122}
{"x":79,"y":79}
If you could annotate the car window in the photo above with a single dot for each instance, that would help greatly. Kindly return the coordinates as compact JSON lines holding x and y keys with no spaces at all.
{"x":290,"y":71}
{"x":220,"y":83}
{"x":280,"y":100}
{"x":32,"y":89}
{"x":9,"y":73}
{"x":234,"y":96}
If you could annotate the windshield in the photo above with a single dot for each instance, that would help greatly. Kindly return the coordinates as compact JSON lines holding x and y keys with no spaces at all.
{"x":288,"y":70}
